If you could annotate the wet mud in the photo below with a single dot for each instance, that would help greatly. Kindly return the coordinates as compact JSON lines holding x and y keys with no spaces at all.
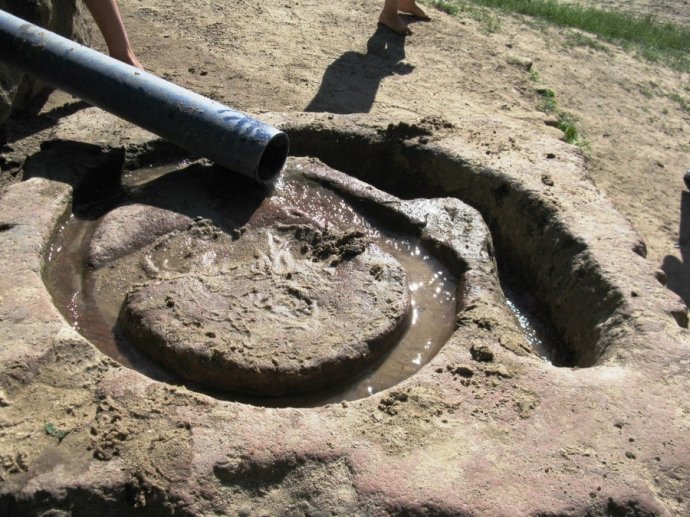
{"x":290,"y":293}
{"x":83,"y":430}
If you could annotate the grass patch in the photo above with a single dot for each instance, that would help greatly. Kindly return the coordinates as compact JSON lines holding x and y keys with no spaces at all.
{"x":566,"y":122}
{"x":550,"y":104}
{"x":489,"y":21}
{"x":445,"y":6}
{"x":578,"y":39}
{"x":646,"y":91}
{"x":650,"y":38}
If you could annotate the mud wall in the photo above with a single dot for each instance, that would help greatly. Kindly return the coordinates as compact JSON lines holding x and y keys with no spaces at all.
{"x":528,"y":233}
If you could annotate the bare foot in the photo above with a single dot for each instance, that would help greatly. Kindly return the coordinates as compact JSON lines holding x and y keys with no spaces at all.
{"x":394,"y":23}
{"x":411,"y":7}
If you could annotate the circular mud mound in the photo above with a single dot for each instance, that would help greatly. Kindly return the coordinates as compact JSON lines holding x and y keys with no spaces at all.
{"x":305,"y":318}
{"x":318,"y":289}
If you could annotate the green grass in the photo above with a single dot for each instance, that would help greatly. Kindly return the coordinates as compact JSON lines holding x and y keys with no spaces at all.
{"x":566,"y":122}
{"x":445,"y":6}
{"x":488,"y":20}
{"x":646,"y":91}
{"x":650,"y":38}
{"x":578,"y":39}
{"x":550,"y":104}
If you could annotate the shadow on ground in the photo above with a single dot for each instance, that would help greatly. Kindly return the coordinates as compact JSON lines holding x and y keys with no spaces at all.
{"x":678,"y":271}
{"x":28,"y":122}
{"x":351,"y":82}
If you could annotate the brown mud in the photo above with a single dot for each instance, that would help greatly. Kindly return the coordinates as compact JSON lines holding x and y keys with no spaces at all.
{"x":93,"y":264}
{"x":486,"y":427}
{"x":484,"y":411}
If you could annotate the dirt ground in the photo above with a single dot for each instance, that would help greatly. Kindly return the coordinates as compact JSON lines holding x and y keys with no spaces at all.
{"x":430,"y":446}
{"x":315,"y":56}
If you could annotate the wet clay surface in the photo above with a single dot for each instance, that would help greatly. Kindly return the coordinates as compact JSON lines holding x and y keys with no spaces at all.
{"x":270,"y":293}
{"x":463,"y":436}
{"x":278,"y":315}
{"x":250,"y":329}
{"x":485,"y":427}
{"x":130,"y":227}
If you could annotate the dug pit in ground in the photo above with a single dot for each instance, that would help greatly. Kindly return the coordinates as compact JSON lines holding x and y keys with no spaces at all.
{"x":272,"y":292}
{"x":280,"y":303}
{"x":486,"y":427}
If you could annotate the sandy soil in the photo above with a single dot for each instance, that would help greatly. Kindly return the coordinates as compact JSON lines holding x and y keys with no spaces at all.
{"x":626,"y":423}
{"x":307,"y":56}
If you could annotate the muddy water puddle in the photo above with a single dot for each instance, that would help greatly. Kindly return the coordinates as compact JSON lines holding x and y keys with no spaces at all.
{"x":535,"y":325}
{"x":93,"y":309}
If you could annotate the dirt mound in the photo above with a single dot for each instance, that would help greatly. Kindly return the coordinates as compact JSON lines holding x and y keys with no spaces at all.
{"x":259,"y":330}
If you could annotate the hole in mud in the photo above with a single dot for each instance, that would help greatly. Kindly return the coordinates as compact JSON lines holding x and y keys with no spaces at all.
{"x":530,"y":245}
{"x":162,"y":224}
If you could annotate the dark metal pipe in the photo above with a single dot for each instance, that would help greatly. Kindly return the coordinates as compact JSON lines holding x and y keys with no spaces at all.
{"x":196,"y":123}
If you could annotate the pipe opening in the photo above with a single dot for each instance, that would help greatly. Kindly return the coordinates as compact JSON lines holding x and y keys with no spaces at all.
{"x":273,"y":158}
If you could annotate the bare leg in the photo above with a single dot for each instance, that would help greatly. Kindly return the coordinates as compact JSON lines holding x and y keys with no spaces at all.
{"x":391,"y":19}
{"x":411,"y":7}
{"x":107,"y":16}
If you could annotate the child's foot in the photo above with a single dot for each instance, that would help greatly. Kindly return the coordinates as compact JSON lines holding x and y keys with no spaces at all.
{"x":411,"y":7}
{"x":395,"y":23}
